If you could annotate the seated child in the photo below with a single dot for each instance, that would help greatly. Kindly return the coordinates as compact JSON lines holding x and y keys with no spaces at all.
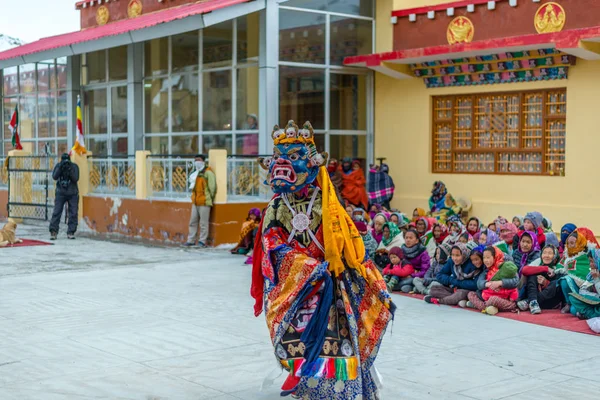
{"x":416,"y":254}
{"x":457,"y":278}
{"x":542,"y":289}
{"x":497,"y":285}
{"x":423,"y":285}
{"x":248,"y":233}
{"x":533,"y":223}
{"x":397,"y":274}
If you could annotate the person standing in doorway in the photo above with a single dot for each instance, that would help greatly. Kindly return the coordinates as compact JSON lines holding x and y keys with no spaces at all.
{"x":66,"y":175}
{"x":203,"y":184}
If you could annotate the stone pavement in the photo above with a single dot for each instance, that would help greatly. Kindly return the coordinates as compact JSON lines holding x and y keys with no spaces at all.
{"x":87,"y":319}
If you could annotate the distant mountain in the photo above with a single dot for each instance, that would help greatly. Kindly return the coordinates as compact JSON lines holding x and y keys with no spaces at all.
{"x":8,"y":42}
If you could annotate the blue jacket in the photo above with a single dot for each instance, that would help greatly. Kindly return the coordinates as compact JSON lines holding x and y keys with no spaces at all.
{"x":447,"y":276}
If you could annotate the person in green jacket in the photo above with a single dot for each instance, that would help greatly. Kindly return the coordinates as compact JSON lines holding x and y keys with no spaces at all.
{"x":203,"y":184}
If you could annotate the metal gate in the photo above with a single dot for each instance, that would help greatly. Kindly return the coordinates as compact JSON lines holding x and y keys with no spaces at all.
{"x":31,"y":187}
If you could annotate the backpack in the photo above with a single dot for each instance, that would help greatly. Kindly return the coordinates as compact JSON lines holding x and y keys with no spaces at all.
{"x":64,"y":179}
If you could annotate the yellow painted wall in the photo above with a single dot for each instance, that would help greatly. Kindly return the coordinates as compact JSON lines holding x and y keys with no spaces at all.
{"x":403,"y":135}
{"x":404,"y":4}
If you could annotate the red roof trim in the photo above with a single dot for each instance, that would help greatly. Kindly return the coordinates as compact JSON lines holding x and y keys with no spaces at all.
{"x":439,"y":7}
{"x":568,"y":39}
{"x":118,"y":27}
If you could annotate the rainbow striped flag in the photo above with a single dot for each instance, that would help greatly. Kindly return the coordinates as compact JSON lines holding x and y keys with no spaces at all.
{"x":79,"y":146}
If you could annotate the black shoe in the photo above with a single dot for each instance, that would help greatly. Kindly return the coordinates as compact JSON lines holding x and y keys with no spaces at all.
{"x":53,"y":235}
{"x":201,"y":245}
{"x":189,"y":244}
{"x":71,"y":236}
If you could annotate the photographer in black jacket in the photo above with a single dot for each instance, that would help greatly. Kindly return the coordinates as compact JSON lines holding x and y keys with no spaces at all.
{"x":66,"y":175}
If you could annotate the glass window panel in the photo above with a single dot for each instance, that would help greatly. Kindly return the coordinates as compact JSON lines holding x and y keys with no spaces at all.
{"x":248,"y":38}
{"x":46,"y":114}
{"x":320,"y":142}
{"x":246,"y":144}
{"x":62,"y":114}
{"x":97,"y":145}
{"x":355,"y":7}
{"x":156,"y":56}
{"x":156,"y":96}
{"x":27,"y":111}
{"x":94,"y":67}
{"x":216,"y":101}
{"x":46,"y":148}
{"x":184,"y":97}
{"x":187,"y":145}
{"x":217,"y":46}
{"x":349,"y":37}
{"x":302,"y":95}
{"x":95,"y":113}
{"x":61,"y":72}
{"x":301,"y":37}
{"x":185,"y":51}
{"x":27,"y":78}
{"x":210,"y":142}
{"x":62,"y":147}
{"x":157,"y":144}
{"x":117,"y":63}
{"x":351,"y":146}
{"x":348,"y":102}
{"x":119,"y":146}
{"x":46,"y":75}
{"x":11,"y":81}
{"x":247,"y":99}
{"x":29,"y":145}
{"x":119,"y":109}
{"x":9,"y":108}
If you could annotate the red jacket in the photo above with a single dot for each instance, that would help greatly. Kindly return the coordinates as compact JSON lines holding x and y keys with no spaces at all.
{"x":402,"y":270}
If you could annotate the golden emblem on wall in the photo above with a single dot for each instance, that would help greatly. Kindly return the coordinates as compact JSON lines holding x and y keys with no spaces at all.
{"x":102,"y":15}
{"x":460,"y":30}
{"x":134,"y":8}
{"x":550,"y":17}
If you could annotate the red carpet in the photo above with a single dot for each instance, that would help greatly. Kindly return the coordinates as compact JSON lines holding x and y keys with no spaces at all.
{"x":28,"y":242}
{"x":549,"y":318}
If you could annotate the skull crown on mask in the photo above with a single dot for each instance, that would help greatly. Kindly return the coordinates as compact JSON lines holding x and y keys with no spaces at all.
{"x":295,"y":163}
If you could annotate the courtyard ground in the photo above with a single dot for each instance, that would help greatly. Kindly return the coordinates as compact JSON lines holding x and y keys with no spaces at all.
{"x":88,"y":319}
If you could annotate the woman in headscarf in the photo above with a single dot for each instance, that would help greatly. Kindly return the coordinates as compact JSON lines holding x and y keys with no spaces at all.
{"x":418,"y":213}
{"x":375,"y":209}
{"x":586,"y":303}
{"x":378,"y":222}
{"x":457,"y":228}
{"x":248,"y":232}
{"x":574,"y":267}
{"x":541,"y":283}
{"x":565,"y":231}
{"x":358,"y":214}
{"x":381,"y":185}
{"x":425,"y":230}
{"x":437,"y":201}
{"x":528,"y":249}
{"x":391,"y":237}
{"x":517,"y":221}
{"x":486,"y":237}
{"x":508,"y":233}
{"x":440,"y":233}
{"x":473,"y":225}
{"x":353,"y":184}
{"x":499,"y":222}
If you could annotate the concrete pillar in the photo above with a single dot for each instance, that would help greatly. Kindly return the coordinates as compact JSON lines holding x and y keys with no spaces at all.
{"x":218,"y":164}
{"x":84,"y":176}
{"x":135,"y":97}
{"x":73,"y":90}
{"x":143,"y":188}
{"x":268,"y":75}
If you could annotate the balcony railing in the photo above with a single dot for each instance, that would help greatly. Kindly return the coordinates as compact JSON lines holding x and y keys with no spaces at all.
{"x":169,"y":175}
{"x":245,"y":180}
{"x":112,"y":175}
